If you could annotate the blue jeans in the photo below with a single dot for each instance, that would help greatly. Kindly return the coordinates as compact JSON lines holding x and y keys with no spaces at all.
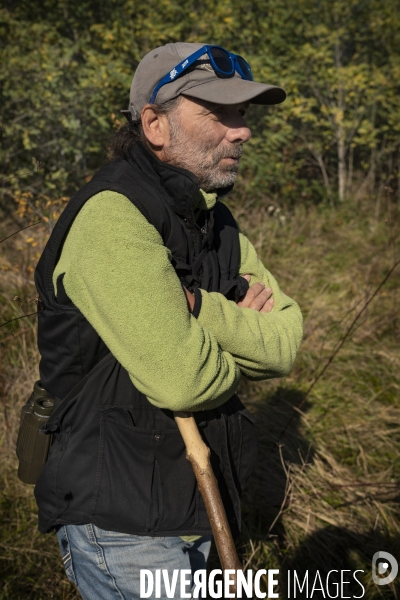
{"x":105,"y":565}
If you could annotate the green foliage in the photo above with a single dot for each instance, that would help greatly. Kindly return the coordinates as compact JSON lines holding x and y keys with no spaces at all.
{"x":67,"y":67}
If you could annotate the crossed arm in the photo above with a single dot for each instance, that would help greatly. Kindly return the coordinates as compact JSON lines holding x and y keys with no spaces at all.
{"x":118,"y":273}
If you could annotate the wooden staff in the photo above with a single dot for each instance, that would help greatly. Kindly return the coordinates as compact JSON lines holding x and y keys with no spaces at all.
{"x":198,"y":453}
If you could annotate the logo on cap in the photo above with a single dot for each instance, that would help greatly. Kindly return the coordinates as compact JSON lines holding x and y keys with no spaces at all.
{"x":173,"y":73}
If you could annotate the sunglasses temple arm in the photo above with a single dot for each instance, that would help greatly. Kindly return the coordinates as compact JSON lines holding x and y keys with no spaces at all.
{"x":178,"y":70}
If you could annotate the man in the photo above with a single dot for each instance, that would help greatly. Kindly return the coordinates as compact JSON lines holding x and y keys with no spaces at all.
{"x":154,"y":302}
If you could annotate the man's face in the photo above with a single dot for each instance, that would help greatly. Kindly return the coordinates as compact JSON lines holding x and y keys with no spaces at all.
{"x":207,"y":139}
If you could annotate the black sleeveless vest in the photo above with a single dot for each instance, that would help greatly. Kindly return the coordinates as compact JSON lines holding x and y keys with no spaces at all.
{"x":117,"y":460}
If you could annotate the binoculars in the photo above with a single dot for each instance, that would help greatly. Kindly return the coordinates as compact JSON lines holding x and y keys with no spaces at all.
{"x":33,"y":444}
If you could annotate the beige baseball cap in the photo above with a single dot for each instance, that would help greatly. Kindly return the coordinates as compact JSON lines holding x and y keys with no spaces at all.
{"x":199,"y":81}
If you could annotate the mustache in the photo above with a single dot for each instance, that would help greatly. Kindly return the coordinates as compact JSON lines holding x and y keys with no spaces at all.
{"x":235,"y":151}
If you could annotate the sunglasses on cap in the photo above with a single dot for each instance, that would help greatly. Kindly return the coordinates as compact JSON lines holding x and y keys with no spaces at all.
{"x":223,"y":62}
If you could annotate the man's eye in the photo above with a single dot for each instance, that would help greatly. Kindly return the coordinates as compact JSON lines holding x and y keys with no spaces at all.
{"x":219,"y":110}
{"x":242,"y":112}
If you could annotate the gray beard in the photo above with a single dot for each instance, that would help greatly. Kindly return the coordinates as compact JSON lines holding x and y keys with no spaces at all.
{"x":199,"y":158}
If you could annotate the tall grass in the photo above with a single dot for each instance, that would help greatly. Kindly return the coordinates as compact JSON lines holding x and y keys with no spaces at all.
{"x":325,"y":494}
{"x":29,"y":562}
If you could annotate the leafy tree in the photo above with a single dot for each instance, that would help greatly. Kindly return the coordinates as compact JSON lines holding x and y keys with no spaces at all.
{"x":67,"y":68}
{"x":349,"y":83}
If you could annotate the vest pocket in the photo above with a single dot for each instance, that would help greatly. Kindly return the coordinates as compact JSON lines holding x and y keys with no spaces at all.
{"x":123,"y":491}
{"x":178,"y":497}
{"x":144,"y":483}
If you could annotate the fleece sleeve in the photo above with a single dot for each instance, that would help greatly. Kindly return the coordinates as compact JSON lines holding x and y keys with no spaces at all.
{"x":264,"y":345}
{"x":118,"y":273}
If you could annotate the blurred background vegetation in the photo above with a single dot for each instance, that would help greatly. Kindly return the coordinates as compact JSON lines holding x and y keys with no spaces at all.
{"x":318,"y":195}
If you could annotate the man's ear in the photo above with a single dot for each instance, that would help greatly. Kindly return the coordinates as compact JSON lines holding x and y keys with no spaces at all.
{"x":155,"y":127}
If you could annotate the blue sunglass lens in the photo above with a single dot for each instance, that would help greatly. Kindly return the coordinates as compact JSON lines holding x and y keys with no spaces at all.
{"x":222,"y":60}
{"x":245,"y":67}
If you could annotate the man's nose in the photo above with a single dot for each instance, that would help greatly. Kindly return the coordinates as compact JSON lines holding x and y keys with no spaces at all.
{"x":239,"y":133}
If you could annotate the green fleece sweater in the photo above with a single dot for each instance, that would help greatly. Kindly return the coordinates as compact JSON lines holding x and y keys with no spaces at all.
{"x":118,"y":273}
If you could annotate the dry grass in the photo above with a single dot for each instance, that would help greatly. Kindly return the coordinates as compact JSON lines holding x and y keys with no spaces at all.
{"x":326,"y":491}
{"x":29,"y":562}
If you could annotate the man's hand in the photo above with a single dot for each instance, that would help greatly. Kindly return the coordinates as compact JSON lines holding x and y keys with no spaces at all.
{"x":189,"y":298}
{"x":257,"y":297}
